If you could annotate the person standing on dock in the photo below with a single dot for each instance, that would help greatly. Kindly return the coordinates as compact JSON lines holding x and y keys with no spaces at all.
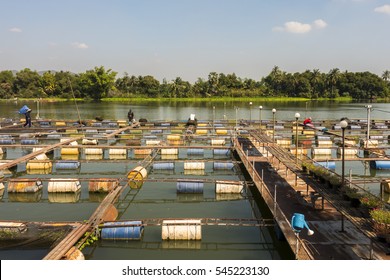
{"x":130,"y":116}
{"x":27,"y":113}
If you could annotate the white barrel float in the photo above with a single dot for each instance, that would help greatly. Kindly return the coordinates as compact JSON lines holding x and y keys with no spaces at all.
{"x":380,"y":164}
{"x":223,"y":152}
{"x":228,"y":187}
{"x":64,"y":197}
{"x":53,"y":136}
{"x":117,"y":151}
{"x":102,"y":184}
{"x":150,"y":137}
{"x":195,"y":151}
{"x":324,"y":143}
{"x":39,"y":164}
{"x":301,"y":151}
{"x":152,"y":142}
{"x":2,"y":151}
{"x":171,"y":151}
{"x":86,"y":141}
{"x":139,"y":173}
{"x":223,"y":165}
{"x":284,"y":142}
{"x":156,"y":131}
{"x":63,"y":185}
{"x":347,"y":151}
{"x":24,"y":185}
{"x":163,"y":165}
{"x":129,"y":230}
{"x":42,"y":156}
{"x":189,"y":186}
{"x":194,"y":165}
{"x":321,"y":151}
{"x":93,"y":151}
{"x":67,"y":164}
{"x":218,"y":142}
{"x":181,"y":229}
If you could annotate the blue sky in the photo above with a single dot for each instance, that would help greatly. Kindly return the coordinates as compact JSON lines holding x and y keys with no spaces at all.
{"x":191,"y":38}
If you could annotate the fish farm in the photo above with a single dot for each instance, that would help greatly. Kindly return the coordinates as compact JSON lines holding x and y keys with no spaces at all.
{"x":219,"y":189}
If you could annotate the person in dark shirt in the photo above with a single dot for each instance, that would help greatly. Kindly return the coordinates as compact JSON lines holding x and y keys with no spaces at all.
{"x":28,"y":118}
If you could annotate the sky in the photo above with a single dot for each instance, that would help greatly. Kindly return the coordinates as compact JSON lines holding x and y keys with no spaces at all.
{"x":191,"y":38}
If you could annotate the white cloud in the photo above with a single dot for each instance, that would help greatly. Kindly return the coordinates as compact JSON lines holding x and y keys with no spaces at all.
{"x":385,"y":9}
{"x":78,"y":45}
{"x":299,"y":27}
{"x":15,"y":29}
{"x":319,"y":23}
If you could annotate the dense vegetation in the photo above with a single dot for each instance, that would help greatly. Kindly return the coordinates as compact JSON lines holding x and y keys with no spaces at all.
{"x":100,"y":83}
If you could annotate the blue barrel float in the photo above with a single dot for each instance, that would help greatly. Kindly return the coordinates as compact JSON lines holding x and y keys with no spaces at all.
{"x":380,"y":164}
{"x":67,"y":164}
{"x":29,"y":141}
{"x":164,"y":165}
{"x":221,"y":151}
{"x":326,"y":164}
{"x":189,"y":187}
{"x":129,"y":230}
{"x":195,"y":151}
{"x":223,"y":165}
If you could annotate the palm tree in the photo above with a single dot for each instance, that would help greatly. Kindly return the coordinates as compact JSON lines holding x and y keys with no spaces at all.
{"x":315,"y":80}
{"x":386,"y":75}
{"x":333,"y":77}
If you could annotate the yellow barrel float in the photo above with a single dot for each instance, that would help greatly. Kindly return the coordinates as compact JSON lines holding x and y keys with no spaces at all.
{"x":173,"y":137}
{"x":136,"y":177}
{"x":102,"y":184}
{"x":63,"y":185}
{"x":122,"y":123}
{"x":39,"y":165}
{"x":228,"y":187}
{"x":24,"y":185}
{"x":74,"y":254}
{"x":221,"y":131}
{"x":201,"y":131}
{"x":181,"y":229}
{"x":324,"y":143}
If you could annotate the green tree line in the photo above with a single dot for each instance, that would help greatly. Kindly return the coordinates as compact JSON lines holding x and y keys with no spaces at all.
{"x":100,"y":83}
